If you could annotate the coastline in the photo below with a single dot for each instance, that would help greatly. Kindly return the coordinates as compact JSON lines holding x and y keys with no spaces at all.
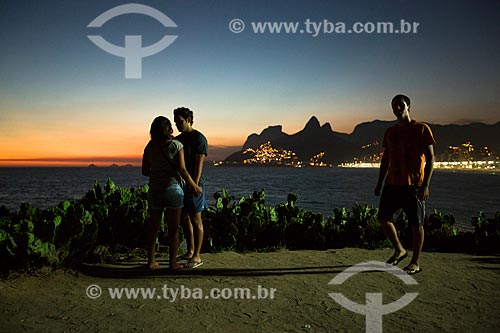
{"x":441,"y":166}
{"x":216,"y":164}
{"x":338,"y":187}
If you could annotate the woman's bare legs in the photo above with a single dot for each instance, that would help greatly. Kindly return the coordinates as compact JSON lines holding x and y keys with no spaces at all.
{"x":152,"y":228}
{"x":173,"y":217}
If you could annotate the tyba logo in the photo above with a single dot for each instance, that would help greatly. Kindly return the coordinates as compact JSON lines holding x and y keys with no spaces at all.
{"x":374,"y":308}
{"x":133,"y":52}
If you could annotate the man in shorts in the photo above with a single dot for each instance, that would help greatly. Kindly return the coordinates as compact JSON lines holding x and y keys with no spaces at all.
{"x":195,"y":150}
{"x":406,"y":166}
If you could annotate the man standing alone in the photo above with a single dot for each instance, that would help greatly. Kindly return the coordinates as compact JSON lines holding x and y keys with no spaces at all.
{"x":406,"y":166}
{"x":195,"y":150}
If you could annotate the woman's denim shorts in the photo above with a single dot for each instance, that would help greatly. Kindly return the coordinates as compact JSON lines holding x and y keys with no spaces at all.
{"x":169,"y":197}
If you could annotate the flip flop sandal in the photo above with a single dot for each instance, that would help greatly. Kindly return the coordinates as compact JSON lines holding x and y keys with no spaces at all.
{"x":412,"y":271}
{"x":396,"y":260}
{"x":193,"y":264}
{"x":183,"y":258}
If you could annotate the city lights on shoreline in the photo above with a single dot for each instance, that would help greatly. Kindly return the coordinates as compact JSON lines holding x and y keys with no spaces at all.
{"x":464,"y":156}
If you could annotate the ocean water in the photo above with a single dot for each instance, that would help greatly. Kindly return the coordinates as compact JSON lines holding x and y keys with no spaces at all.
{"x":461,"y":193}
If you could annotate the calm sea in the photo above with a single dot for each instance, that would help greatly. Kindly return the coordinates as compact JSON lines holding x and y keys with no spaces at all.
{"x":463,"y":194}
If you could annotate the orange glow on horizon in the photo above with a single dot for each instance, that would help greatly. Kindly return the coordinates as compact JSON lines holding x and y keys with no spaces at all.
{"x":72,"y":161}
{"x":53,"y":137}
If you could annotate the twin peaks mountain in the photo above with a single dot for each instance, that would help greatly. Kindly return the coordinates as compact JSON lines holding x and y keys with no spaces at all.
{"x":366,"y":139}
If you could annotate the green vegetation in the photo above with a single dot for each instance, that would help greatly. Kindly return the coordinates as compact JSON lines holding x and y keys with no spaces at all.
{"x":109,"y":223}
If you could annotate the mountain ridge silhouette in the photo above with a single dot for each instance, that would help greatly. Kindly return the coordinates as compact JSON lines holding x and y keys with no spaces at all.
{"x":342,"y":147}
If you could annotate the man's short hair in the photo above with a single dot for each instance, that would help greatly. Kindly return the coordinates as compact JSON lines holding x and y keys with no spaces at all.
{"x":184,"y":113}
{"x":405,"y":98}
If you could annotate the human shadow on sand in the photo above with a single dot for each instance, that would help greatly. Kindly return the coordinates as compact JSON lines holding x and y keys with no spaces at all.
{"x":134,"y":270}
{"x":491,"y":262}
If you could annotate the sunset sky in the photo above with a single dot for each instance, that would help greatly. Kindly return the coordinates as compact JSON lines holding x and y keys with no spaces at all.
{"x":63,"y":100}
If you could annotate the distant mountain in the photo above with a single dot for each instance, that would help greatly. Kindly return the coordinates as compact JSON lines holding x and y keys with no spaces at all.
{"x":311,"y":140}
{"x":365,"y":139}
{"x":271,"y":133}
{"x":315,"y":138}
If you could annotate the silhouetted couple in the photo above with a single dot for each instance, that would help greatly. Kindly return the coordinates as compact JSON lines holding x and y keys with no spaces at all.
{"x":176,"y":186}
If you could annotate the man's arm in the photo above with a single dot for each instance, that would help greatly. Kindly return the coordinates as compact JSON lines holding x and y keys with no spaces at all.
{"x":423,"y":193}
{"x":384,"y":166}
{"x":201,"y":150}
{"x":198,"y":167}
{"x":185,"y":174}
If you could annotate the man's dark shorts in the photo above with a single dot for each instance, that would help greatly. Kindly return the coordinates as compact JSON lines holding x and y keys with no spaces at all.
{"x":195,"y":204}
{"x":395,"y":199}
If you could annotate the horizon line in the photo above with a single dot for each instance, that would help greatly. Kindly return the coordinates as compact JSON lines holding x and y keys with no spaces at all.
{"x":136,"y":160}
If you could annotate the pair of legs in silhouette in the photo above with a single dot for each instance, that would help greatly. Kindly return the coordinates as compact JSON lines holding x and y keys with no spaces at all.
{"x":193,"y":231}
{"x":400,"y":252}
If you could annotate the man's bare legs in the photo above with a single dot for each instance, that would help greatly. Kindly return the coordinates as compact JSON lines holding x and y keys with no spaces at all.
{"x":391,"y":234}
{"x":399,"y":250}
{"x":187,"y":229}
{"x":198,"y":236}
{"x":192,"y":226}
{"x":418,"y":243}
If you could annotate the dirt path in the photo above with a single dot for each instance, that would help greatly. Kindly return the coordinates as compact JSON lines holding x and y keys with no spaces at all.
{"x":456,"y":292}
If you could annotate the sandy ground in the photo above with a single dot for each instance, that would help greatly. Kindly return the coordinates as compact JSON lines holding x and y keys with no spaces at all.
{"x":456,"y":293}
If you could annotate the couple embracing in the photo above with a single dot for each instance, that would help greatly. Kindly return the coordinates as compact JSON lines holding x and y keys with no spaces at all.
{"x":170,"y":162}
